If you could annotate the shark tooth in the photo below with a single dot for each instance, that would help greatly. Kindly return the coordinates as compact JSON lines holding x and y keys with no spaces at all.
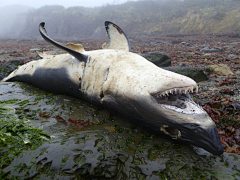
{"x":196,"y":90}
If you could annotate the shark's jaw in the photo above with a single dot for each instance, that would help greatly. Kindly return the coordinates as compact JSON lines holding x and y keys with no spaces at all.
{"x":178,"y":99}
{"x":187,"y":120}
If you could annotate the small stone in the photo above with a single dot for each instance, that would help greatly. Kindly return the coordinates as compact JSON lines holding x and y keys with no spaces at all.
{"x":207,"y":54}
{"x":220,"y":68}
{"x":232,"y":56}
{"x":185,"y":43}
{"x":33,"y":50}
{"x":237,"y":72}
{"x":235,"y":105}
{"x":207,"y":50}
{"x":235,"y":43}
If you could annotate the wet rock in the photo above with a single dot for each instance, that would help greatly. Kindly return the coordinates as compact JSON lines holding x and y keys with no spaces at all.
{"x":195,"y":73}
{"x":232,"y":56}
{"x":185,"y":43}
{"x":237,"y":72}
{"x":9,"y":67}
{"x":176,"y":41}
{"x":235,"y":43}
{"x":207,"y":55}
{"x":220,"y":68}
{"x":161,"y":42}
{"x":226,"y":168}
{"x":228,"y":47}
{"x":160,"y":59}
{"x":34,"y":50}
{"x":235,"y":105}
{"x":207,"y":50}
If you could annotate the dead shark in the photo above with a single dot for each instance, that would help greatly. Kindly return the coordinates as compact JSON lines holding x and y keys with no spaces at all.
{"x":117,"y":79}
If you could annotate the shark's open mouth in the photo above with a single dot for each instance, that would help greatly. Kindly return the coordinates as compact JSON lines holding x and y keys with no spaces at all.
{"x":179,"y":100}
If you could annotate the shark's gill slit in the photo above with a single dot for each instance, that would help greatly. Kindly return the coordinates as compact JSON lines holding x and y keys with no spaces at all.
{"x":173,"y":132}
{"x":107,"y":72}
{"x":101,"y":94}
{"x":106,"y":76}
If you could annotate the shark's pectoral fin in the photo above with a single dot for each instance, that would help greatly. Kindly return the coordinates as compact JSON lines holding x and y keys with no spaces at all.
{"x":75,"y":47}
{"x":117,"y":38}
{"x":78,"y":55}
{"x":46,"y":54}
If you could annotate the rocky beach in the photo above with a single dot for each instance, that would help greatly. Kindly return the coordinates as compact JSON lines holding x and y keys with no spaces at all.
{"x":77,"y":140}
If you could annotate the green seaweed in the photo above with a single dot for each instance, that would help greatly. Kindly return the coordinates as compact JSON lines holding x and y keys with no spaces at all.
{"x":10,"y":101}
{"x":17,"y":135}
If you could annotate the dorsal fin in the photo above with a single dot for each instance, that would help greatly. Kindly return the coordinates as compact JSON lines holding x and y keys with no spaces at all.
{"x":117,"y":38}
{"x":78,"y":55}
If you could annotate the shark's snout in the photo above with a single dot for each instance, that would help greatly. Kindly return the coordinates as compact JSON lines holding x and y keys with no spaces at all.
{"x":206,"y":138}
{"x":212,"y":142}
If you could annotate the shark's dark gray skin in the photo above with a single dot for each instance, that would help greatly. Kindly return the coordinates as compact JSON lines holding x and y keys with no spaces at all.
{"x":127,"y":83}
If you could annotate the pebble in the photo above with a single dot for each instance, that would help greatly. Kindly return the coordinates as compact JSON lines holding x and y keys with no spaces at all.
{"x":207,"y":54}
{"x":219,"y":68}
{"x":232,"y":56}
{"x":33,"y":50}
{"x":237,"y":72}
{"x":235,"y":43}
{"x":207,"y":50}
{"x":185,"y":43}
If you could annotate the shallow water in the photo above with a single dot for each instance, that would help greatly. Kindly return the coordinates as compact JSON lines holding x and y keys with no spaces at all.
{"x":110,"y":147}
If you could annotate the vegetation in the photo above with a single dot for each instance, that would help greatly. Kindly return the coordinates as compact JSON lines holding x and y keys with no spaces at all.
{"x":16,"y":135}
{"x":133,"y":17}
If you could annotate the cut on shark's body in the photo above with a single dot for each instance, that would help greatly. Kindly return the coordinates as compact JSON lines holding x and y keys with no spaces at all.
{"x":127,"y":83}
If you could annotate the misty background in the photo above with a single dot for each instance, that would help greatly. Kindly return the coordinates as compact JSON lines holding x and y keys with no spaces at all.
{"x":81,"y":20}
{"x":65,"y":3}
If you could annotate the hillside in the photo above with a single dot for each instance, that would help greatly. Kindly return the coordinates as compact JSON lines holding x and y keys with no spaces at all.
{"x":136,"y":18}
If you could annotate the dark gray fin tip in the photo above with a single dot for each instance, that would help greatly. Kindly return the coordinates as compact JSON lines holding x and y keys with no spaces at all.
{"x":107,"y":23}
{"x":43,"y":32}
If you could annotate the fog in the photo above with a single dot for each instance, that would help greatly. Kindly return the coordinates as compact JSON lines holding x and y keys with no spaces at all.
{"x":68,"y":3}
{"x":78,"y":19}
{"x":13,"y":13}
